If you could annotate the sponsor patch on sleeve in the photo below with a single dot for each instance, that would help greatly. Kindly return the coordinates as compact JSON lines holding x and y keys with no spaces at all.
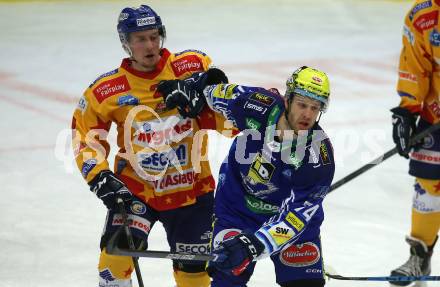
{"x":82,"y":105}
{"x":280,"y":233}
{"x":426,"y":21}
{"x":323,"y":152}
{"x":297,"y":223}
{"x":111,"y":87}
{"x":190,"y":63}
{"x":262,"y":99}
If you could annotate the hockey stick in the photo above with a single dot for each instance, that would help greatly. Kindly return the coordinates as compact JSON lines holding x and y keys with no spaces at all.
{"x":112,"y":248}
{"x":121,"y":207}
{"x":385,"y":278}
{"x":383,"y":157}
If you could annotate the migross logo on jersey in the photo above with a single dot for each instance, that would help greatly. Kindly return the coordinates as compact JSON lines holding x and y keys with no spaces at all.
{"x":162,"y":132}
{"x":111,"y":87}
{"x":300,"y":255}
{"x":190,"y":63}
{"x":134,"y":221}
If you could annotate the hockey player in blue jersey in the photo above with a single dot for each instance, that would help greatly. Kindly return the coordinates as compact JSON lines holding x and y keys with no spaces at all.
{"x":272,"y":183}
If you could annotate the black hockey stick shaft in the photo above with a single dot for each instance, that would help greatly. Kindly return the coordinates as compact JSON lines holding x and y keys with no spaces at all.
{"x":384,"y":278}
{"x":121,"y":207}
{"x":112,"y":248}
{"x":166,"y":255}
{"x":383,"y":157}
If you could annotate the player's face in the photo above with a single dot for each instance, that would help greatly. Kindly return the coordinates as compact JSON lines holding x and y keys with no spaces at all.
{"x":303,"y":113}
{"x":145,"y":47}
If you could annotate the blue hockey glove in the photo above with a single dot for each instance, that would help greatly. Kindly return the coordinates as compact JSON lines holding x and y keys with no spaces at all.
{"x":187,"y":95}
{"x":236,"y":253}
{"x":404,"y":126}
{"x":108,"y":187}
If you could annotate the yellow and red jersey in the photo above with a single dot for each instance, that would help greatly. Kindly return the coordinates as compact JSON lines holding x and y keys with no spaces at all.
{"x":419,"y":77}
{"x":160,"y":153}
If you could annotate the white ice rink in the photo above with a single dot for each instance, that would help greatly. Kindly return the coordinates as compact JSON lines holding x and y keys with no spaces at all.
{"x":50,"y":51}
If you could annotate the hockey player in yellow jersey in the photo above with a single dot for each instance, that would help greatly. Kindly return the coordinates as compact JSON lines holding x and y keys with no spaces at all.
{"x":159,"y":170}
{"x":419,"y":89}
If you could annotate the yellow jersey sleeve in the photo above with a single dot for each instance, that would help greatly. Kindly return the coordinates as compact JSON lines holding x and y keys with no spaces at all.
{"x":416,"y":59}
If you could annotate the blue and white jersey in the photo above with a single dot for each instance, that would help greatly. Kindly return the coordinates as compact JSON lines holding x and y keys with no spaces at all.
{"x":273,"y":188}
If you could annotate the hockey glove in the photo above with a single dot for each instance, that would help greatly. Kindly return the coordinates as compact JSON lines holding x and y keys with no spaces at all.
{"x":404,"y":126}
{"x":108,"y":187}
{"x":236,"y":253}
{"x":179,"y":94}
{"x":187,"y":95}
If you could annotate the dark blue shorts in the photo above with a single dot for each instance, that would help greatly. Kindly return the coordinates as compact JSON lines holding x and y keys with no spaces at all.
{"x":188,"y":228}
{"x":297,"y":261}
{"x":425,"y":161}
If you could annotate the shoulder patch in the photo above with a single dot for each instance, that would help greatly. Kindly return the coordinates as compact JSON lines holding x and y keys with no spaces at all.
{"x":189,"y":63}
{"x":111,"y":87}
{"x":262,"y":99}
{"x":103,"y":76}
{"x":419,"y":7}
{"x":426,"y":21}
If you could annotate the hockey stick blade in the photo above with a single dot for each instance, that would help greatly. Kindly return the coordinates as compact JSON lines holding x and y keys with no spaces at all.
{"x":384,"y":278}
{"x":112,"y":248}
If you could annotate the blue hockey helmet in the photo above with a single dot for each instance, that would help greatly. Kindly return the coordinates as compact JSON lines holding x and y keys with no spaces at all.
{"x":133,"y":19}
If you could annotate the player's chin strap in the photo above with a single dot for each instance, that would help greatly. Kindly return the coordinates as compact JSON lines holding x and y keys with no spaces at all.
{"x":319,"y":117}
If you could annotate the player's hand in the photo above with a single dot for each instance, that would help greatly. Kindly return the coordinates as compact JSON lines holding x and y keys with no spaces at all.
{"x":404,"y":126}
{"x":108,"y":187}
{"x":179,"y":94}
{"x":236,"y":253}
